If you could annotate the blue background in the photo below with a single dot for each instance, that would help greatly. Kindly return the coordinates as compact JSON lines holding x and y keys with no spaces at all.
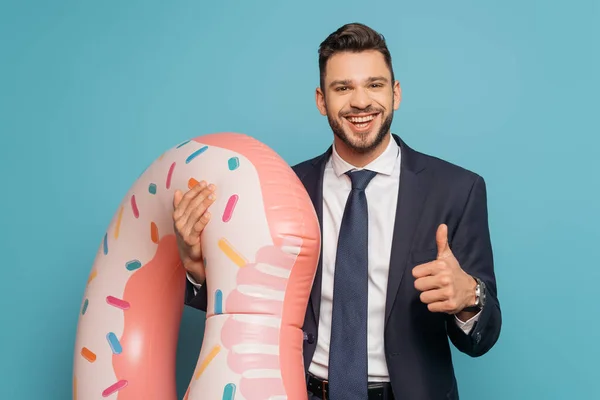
{"x":507,"y":89}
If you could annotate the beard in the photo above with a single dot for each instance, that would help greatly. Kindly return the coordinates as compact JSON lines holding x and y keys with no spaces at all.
{"x":360,"y":146}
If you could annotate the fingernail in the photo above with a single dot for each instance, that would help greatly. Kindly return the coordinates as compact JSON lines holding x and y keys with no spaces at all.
{"x":211,"y":186}
{"x":211,"y":196}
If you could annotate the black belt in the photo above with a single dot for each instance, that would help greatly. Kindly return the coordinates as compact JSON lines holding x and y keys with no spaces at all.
{"x":377,"y":390}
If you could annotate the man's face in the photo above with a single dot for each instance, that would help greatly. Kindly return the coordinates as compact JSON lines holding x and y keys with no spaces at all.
{"x":359,"y":98}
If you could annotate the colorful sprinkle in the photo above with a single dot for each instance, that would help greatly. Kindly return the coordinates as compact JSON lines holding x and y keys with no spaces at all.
{"x":88,"y":354}
{"x":152,"y":188}
{"x":195,"y":154}
{"x":218,"y":302}
{"x":85,"y":306}
{"x":192,"y":182}
{"x":229,"y":391}
{"x":113,"y":301}
{"x":92,"y":276}
{"x":114,"y":388}
{"x":133,"y":265}
{"x":118,"y":224}
{"x":233,"y":163}
{"x":115,"y":346}
{"x":213,"y":353}
{"x":183,"y":144}
{"x":230,"y":252}
{"x":105,"y":243}
{"x":153,"y":232}
{"x":230,"y":207}
{"x":134,"y":208}
{"x":170,"y":175}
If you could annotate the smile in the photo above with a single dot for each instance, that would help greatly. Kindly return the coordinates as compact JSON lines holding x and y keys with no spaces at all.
{"x":361,"y":123}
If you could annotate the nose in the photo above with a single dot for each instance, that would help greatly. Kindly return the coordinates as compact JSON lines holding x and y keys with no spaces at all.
{"x":360,"y":99}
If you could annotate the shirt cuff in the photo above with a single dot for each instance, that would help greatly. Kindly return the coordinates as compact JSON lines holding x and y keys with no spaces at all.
{"x":197,"y":286}
{"x":467,"y":326}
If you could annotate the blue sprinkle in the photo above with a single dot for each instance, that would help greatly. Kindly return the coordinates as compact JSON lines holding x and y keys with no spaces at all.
{"x":114,"y":343}
{"x":196,"y":154}
{"x":85,"y":306}
{"x":234,"y":163}
{"x":152,"y":188}
{"x":229,"y":391}
{"x":133,"y":265}
{"x":105,"y":243}
{"x":218,"y":302}
{"x":183,"y":144}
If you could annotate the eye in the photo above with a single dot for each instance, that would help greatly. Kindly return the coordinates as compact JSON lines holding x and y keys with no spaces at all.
{"x":376,"y":85}
{"x":341,"y":88}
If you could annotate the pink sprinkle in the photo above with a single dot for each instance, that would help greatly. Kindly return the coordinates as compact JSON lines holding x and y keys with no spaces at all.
{"x":136,"y":212}
{"x":169,"y":175}
{"x":230,"y":207}
{"x":113,"y":301}
{"x":114,"y":388}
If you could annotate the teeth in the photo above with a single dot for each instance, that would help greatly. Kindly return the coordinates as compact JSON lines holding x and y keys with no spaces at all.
{"x":357,"y":120}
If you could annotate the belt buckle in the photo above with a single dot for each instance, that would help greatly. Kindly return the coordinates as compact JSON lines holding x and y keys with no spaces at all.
{"x":324,"y":384}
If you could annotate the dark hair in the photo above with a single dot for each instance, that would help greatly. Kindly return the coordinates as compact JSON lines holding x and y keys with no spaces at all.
{"x":353,"y":37}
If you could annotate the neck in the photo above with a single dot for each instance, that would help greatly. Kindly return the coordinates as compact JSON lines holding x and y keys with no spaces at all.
{"x":359,"y":160}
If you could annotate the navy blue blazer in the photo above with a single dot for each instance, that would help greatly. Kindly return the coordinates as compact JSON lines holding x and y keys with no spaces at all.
{"x":417,"y":350}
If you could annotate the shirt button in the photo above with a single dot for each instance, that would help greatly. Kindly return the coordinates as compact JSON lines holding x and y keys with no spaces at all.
{"x":310,"y":338}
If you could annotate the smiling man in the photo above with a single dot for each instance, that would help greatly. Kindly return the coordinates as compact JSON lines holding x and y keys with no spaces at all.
{"x":406,"y":262}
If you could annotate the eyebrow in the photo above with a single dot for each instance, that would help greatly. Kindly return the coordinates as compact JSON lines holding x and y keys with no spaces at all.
{"x":345,"y":82}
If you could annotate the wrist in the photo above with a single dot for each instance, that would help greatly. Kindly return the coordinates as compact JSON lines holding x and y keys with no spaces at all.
{"x":195,"y":273}
{"x":476,"y":295}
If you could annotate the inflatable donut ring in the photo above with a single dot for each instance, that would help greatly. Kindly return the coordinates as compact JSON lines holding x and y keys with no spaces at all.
{"x":261,"y":249}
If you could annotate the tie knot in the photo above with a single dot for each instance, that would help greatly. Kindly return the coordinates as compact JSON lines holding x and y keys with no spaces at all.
{"x":360,"y":179}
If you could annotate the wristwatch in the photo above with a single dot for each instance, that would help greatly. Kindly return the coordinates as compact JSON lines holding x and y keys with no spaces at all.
{"x":479,"y":296}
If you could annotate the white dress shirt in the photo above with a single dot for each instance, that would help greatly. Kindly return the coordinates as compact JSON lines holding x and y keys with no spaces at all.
{"x":382,"y":195}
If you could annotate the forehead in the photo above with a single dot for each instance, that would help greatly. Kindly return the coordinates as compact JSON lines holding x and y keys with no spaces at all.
{"x":356,"y":67}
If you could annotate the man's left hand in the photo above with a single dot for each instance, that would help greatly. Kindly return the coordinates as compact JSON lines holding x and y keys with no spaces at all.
{"x":443,"y":284}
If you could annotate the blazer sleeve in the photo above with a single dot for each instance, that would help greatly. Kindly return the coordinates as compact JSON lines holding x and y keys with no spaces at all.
{"x":471,"y":245}
{"x":195,"y":300}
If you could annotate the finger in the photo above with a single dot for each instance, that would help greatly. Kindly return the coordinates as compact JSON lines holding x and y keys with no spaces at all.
{"x":441,"y":238}
{"x":433,"y":296}
{"x":198,"y":208}
{"x":428,"y":283}
{"x":199,"y":205}
{"x":177,"y":198}
{"x":201,"y":223}
{"x":192,"y":210}
{"x":427,"y":269}
{"x":191,"y":194}
{"x":447,"y":306}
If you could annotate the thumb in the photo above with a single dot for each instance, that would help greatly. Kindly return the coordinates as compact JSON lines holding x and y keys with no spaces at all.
{"x":441,"y":237}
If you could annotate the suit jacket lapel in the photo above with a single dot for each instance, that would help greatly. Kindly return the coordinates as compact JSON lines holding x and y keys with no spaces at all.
{"x":313,"y":181}
{"x":411,"y":197}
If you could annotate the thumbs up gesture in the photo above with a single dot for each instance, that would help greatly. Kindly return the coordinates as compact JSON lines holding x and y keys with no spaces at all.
{"x":443,"y":284}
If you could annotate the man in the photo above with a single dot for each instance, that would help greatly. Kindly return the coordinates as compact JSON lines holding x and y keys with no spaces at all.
{"x":407,"y":259}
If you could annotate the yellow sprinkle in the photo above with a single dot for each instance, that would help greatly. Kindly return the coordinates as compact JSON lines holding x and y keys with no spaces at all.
{"x":118,"y":224}
{"x":230,"y":252}
{"x":213,"y":353}
{"x":92,"y":276}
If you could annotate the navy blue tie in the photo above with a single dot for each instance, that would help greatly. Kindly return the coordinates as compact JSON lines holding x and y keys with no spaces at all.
{"x":348,"y":373}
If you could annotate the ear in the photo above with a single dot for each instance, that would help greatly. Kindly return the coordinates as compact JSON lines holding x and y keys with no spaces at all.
{"x":397,"y":95}
{"x":320,"y":99}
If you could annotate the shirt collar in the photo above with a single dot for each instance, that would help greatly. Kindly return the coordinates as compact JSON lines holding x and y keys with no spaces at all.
{"x":384,"y":164}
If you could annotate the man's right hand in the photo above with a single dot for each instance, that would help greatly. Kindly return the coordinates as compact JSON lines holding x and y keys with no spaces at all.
{"x":190,"y":216}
